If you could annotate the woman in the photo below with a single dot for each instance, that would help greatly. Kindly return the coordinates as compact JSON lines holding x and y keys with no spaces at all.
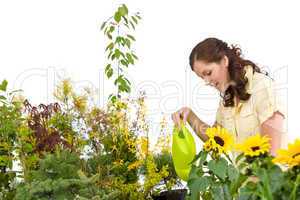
{"x":248,"y":104}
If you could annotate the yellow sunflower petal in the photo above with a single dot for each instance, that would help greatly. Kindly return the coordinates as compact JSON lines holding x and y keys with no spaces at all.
{"x":254,"y":145}
{"x":290,"y":156}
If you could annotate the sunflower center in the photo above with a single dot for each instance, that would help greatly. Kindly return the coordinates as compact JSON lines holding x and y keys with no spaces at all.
{"x":297,"y":154}
{"x":255,"y":148}
{"x":219,"y":140}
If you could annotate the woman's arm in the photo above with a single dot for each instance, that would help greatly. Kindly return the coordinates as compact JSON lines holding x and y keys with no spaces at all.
{"x":273,"y":127}
{"x":198,"y":125}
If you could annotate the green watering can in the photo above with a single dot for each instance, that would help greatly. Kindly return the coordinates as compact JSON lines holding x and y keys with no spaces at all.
{"x":183,"y":151}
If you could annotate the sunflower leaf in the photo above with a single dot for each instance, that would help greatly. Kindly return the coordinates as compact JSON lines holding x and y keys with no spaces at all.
{"x":198,"y":185}
{"x":218,"y":167}
{"x":202,"y":155}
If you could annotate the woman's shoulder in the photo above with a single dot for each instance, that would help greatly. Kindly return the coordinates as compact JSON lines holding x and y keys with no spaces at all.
{"x":261,"y":81}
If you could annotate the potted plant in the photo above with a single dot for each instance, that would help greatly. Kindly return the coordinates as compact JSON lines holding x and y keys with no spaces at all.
{"x":169,"y":186}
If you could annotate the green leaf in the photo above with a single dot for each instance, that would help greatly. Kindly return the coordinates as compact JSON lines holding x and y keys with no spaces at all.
{"x":103,"y":25}
{"x":126,"y":24}
{"x":247,"y":191}
{"x":110,"y":46}
{"x":2,"y":97}
{"x":126,"y":20}
{"x":110,"y":53}
{"x":124,"y":62}
{"x":117,"y":53}
{"x":233,"y":174}
{"x":133,"y":55}
{"x":129,"y":58}
{"x":293,"y":195}
{"x":132,"y":25}
{"x":196,"y":157}
{"x":108,"y":71}
{"x":131,"y":37}
{"x":109,"y":36}
{"x":218,"y":167}
{"x":118,"y":79}
{"x":276,"y":177}
{"x":128,"y":82}
{"x":118,"y":39}
{"x":221,"y":192}
{"x":124,"y":87}
{"x":117,"y":16}
{"x":266,"y":187}
{"x":112,"y":98}
{"x":134,"y":19}
{"x":3,"y":85}
{"x":198,"y":185}
{"x":127,"y":43}
{"x":28,"y":147}
{"x":123,"y":10}
{"x":113,"y":57}
{"x":237,"y":183}
{"x":105,"y":30}
{"x":137,"y":16}
{"x":196,"y":172}
{"x":111,"y":29}
{"x":203,"y":156}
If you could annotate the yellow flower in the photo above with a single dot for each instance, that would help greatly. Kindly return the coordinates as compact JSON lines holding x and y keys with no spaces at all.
{"x":64,"y":90}
{"x":80,"y":103}
{"x":219,"y":140}
{"x":118,"y":162}
{"x":291,"y":156}
{"x":254,"y":145}
{"x":66,"y":87}
{"x":135,"y":165}
{"x":144,"y":146}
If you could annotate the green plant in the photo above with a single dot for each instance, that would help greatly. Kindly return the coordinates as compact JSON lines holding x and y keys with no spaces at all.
{"x":253,"y":175}
{"x":10,"y":120}
{"x":165,"y":159}
{"x":120,"y":55}
{"x":114,"y":149}
{"x":59,"y":176}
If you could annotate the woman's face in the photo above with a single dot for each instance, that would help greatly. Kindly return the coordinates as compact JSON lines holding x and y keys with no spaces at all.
{"x":215,"y":74}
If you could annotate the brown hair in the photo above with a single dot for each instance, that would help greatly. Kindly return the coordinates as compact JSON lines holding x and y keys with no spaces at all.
{"x":213,"y":50}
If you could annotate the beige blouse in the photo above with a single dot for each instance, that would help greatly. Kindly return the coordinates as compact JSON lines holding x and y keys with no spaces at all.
{"x":244,"y":119}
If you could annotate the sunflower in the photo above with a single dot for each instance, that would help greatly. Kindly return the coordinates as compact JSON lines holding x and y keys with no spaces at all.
{"x":219,"y":140}
{"x":291,"y":156}
{"x":254,"y":145}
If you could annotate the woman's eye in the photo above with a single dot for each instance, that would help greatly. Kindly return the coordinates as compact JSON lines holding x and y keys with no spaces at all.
{"x":208,"y":73}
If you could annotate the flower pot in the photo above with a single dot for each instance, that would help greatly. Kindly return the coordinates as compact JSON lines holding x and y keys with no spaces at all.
{"x":178,"y":194}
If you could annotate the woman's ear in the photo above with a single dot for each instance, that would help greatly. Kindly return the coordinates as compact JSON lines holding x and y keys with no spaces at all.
{"x":225,"y":61}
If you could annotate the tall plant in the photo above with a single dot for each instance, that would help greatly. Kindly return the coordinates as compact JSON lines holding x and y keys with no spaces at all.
{"x":120,"y":54}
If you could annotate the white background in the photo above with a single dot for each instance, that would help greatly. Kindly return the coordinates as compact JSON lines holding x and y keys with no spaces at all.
{"x":44,"y":41}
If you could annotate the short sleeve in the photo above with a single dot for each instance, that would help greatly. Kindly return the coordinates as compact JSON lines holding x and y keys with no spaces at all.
{"x":266,"y":101}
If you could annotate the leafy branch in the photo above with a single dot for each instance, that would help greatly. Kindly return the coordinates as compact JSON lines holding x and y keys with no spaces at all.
{"x":120,"y":55}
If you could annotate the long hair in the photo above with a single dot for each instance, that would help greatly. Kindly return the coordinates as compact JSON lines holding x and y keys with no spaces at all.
{"x":213,"y":50}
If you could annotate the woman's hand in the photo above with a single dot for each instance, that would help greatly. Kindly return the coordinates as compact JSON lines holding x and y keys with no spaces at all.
{"x":181,"y":114}
{"x":187,"y":115}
